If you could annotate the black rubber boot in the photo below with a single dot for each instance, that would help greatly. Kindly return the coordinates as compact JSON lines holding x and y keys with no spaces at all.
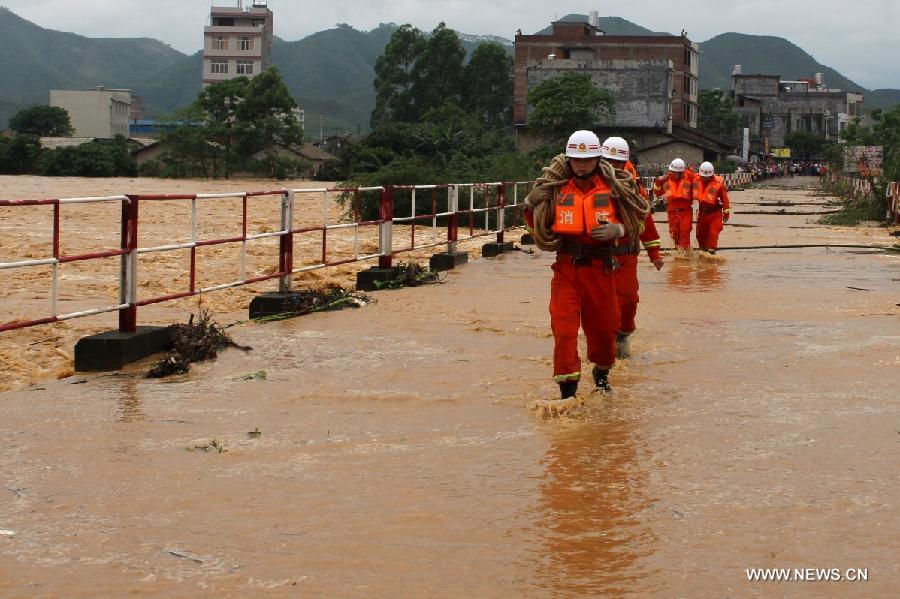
{"x":623,"y":349}
{"x":601,"y":379}
{"x":568,"y":389}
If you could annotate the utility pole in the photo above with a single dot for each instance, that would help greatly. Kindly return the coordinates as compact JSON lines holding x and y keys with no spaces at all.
{"x":321,"y":127}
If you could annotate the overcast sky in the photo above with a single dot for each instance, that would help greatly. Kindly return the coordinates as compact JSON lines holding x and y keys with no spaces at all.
{"x":859,"y":38}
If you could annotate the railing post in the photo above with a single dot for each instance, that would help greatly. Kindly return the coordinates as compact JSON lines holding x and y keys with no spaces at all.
{"x":453,"y":221}
{"x":286,"y":243}
{"x":501,"y":211}
{"x":128,"y":266}
{"x":386,"y":230}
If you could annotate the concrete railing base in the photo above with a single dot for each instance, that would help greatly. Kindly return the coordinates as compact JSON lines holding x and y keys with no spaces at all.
{"x":113,"y":350}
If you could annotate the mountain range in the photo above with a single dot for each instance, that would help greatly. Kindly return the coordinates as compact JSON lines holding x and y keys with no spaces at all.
{"x":330,"y":72}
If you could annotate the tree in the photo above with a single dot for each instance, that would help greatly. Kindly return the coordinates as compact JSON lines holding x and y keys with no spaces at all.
{"x":716,"y":116}
{"x":229,"y":122}
{"x":394,"y":76}
{"x":885,"y":132}
{"x":805,"y":145}
{"x":266,"y":114}
{"x":438,"y":72}
{"x":488,"y":85}
{"x":567,"y":103}
{"x":43,"y":121}
{"x":19,"y":154}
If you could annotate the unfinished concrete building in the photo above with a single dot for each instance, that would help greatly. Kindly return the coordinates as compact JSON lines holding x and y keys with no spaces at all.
{"x":772,"y":108}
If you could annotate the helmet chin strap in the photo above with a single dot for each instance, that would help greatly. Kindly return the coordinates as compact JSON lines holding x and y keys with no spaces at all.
{"x":587,"y":176}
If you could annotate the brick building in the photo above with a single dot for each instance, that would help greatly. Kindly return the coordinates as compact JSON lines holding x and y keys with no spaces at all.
{"x":653,"y":79}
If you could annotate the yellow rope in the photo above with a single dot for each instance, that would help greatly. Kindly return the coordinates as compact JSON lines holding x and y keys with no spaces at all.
{"x":632,"y":207}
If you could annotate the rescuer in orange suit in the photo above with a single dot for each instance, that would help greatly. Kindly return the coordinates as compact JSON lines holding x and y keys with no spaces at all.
{"x":583,"y":288}
{"x":677,"y":186}
{"x":711,"y":194}
{"x":615,"y":150}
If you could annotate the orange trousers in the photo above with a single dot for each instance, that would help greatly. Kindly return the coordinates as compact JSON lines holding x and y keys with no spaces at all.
{"x":582,"y":296}
{"x":708,"y":228}
{"x":627,"y":291}
{"x":680,"y":222}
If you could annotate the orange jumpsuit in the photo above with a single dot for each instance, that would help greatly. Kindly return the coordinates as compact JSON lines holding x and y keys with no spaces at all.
{"x":583,"y":289}
{"x":679,"y":198}
{"x":626,"y":278}
{"x":712,"y":196}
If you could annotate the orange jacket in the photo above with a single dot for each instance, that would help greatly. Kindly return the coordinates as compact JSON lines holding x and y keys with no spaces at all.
{"x":711,"y":194}
{"x":649,"y":236}
{"x":577,"y":212}
{"x":675,"y":191}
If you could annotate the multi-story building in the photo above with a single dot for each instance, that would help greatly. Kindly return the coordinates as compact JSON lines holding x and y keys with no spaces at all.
{"x":653,"y":79}
{"x":772,"y":108}
{"x":101,"y":113}
{"x":237,"y":42}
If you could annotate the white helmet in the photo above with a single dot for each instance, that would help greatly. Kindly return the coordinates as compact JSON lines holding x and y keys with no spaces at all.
{"x":615,"y":148}
{"x":707,"y":170}
{"x":583,"y":144}
{"x":677,"y":166}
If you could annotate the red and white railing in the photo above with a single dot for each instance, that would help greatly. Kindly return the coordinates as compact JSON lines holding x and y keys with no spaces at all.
{"x":487,"y":199}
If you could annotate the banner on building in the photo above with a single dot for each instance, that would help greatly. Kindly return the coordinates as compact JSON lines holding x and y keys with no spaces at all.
{"x":865,"y":161}
{"x":781,"y":152}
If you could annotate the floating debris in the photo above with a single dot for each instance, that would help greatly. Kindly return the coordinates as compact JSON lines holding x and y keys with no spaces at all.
{"x":205,"y":445}
{"x":321,"y":299}
{"x":259,"y":375}
{"x":7,"y":533}
{"x":255,"y":433}
{"x":193,"y":342}
{"x":410,"y":274}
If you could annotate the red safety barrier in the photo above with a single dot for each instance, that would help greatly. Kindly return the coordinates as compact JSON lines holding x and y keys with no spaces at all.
{"x":893,"y":202}
{"x":489,"y":199}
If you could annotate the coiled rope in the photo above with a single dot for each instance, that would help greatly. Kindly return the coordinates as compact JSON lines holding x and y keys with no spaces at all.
{"x":631,"y":206}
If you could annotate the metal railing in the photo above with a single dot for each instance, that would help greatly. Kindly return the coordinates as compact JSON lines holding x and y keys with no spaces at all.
{"x":487,"y":199}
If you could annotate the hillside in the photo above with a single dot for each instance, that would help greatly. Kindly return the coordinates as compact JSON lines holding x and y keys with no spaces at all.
{"x":34,"y":60}
{"x":330,"y":72}
{"x":761,"y":54}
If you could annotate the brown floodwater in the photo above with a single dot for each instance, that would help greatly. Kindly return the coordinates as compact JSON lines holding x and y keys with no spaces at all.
{"x":756,"y":426}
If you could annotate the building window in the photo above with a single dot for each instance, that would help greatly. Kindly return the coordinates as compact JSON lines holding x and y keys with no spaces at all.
{"x":219,"y":67}
{"x":220,"y":43}
{"x":244,"y":67}
{"x":246,"y":43}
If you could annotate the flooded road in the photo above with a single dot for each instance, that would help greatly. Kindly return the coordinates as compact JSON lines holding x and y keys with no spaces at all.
{"x":756,"y":426}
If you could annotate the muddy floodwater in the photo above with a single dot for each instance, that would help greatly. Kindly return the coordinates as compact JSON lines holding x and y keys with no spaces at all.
{"x":393,"y":453}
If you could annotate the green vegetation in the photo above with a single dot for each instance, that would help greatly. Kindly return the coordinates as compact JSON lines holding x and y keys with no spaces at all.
{"x":23,"y":154}
{"x":567,"y":103}
{"x":227,"y":125}
{"x":857,"y":207}
{"x":43,"y":121}
{"x":716,"y":116}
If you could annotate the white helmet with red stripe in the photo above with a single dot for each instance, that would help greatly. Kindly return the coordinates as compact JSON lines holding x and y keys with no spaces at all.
{"x":583,"y":144}
{"x":707,"y":169}
{"x":615,"y":148}
{"x":677,"y":166}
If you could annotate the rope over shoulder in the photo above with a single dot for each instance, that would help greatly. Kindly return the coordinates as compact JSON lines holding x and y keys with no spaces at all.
{"x":631,"y":206}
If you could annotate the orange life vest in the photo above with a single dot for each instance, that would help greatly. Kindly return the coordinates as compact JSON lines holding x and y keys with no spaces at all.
{"x":676,"y":190}
{"x":707,"y":193}
{"x":578,"y":212}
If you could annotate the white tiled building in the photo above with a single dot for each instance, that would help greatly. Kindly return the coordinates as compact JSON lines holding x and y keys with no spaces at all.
{"x":237,"y":41}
